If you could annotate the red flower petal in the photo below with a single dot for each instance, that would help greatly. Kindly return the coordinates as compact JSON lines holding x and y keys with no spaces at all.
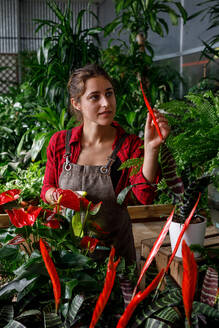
{"x":89,"y":242}
{"x":9,"y":196}
{"x":69,"y":199}
{"x":19,"y":217}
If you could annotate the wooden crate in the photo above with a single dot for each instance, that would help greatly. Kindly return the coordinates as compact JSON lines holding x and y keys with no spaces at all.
{"x":164,"y":253}
{"x":146,"y":213}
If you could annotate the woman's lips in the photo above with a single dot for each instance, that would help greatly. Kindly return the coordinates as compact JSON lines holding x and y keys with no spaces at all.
{"x":105,"y":113}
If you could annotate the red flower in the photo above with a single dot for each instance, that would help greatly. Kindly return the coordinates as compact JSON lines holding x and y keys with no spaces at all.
{"x":51,"y":222}
{"x":70,"y":199}
{"x":89,"y":242}
{"x":9,"y":196}
{"x":20,"y":217}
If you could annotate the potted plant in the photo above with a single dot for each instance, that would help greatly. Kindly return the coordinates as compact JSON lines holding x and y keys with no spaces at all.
{"x":39,"y":237}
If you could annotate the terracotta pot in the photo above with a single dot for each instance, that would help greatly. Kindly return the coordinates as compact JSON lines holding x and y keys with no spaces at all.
{"x":4,"y":220}
{"x":194,"y":234}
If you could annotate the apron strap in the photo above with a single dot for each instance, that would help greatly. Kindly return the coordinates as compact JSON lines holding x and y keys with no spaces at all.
{"x":67,"y":150}
{"x":105,"y":169}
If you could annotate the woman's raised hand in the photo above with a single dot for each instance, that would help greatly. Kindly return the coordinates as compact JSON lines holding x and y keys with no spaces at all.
{"x":152,"y":139}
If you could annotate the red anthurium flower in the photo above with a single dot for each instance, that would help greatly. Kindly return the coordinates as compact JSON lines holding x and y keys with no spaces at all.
{"x":51,"y":222}
{"x":69,"y":199}
{"x":20,"y":217}
{"x":9,"y":196}
{"x":89,"y":242}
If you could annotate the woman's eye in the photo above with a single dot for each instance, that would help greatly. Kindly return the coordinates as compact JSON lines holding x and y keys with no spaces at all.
{"x":109,"y":93}
{"x":94,"y":97}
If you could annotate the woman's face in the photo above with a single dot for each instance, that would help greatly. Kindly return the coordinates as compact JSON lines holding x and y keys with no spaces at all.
{"x":98,"y":103}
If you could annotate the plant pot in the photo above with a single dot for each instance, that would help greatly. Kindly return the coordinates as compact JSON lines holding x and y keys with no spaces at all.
{"x":194,"y":234}
{"x":4,"y":220}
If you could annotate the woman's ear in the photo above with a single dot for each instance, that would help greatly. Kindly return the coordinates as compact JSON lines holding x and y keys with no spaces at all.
{"x":75,"y":104}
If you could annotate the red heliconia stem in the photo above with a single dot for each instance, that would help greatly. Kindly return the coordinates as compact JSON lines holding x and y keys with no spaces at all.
{"x":140,"y":296}
{"x":52,"y":273}
{"x":155,"y":249}
{"x":185,"y":226}
{"x":189,"y":279}
{"x":107,"y":288}
{"x":151,"y":112}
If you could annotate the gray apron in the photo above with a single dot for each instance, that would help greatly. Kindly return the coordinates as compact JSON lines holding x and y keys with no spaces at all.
{"x":112,"y":217}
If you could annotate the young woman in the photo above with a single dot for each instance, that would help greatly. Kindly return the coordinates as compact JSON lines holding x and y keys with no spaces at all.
{"x":88,"y":157}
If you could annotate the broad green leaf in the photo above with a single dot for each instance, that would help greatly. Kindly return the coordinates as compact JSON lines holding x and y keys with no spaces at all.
{"x":9,"y":251}
{"x":52,"y":320}
{"x":205,"y":309}
{"x":6,"y":312}
{"x":122,"y":195}
{"x":14,"y":324}
{"x":16,"y":285}
{"x":71,"y":260}
{"x":74,"y":308}
{"x":69,"y":287}
{"x":155,"y":323}
{"x":37,"y":145}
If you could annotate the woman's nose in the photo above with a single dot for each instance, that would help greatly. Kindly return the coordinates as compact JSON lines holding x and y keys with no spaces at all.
{"x":104,"y":101}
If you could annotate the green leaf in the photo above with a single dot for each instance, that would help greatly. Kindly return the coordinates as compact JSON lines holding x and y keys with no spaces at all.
{"x":79,"y":21}
{"x":173,"y":17}
{"x":122,"y":195}
{"x":16,"y":285}
{"x":7,"y":312}
{"x":9,"y":251}
{"x":77,"y":225}
{"x":95,"y":209}
{"x":69,"y":286}
{"x":182,"y":11}
{"x":71,"y":260}
{"x":205,"y":309}
{"x":14,"y":324}
{"x":62,"y":119}
{"x":74,"y":308}
{"x":37,"y":145}
{"x":155,"y":323}
{"x":52,"y":320}
{"x":20,"y":145}
{"x":46,"y":45}
{"x":28,"y":313}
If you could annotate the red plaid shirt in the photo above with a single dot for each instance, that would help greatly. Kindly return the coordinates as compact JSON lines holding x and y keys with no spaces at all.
{"x":144,"y":193}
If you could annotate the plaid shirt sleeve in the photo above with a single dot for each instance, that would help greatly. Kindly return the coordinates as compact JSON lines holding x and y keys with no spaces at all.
{"x":54,"y":159}
{"x":144,"y":191}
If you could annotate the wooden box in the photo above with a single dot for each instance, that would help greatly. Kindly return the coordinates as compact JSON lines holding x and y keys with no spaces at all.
{"x":164,"y":253}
